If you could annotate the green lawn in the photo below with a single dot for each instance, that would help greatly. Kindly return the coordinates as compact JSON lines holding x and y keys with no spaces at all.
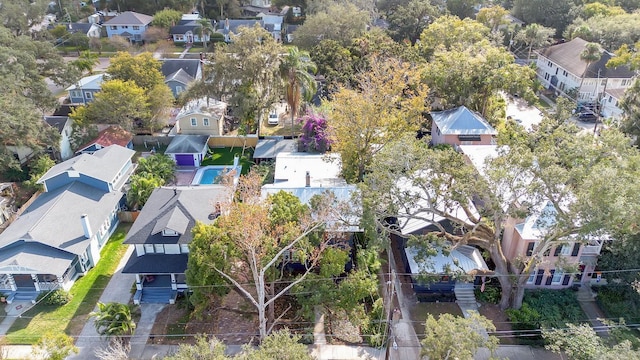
{"x":86,"y":291}
{"x":224,"y":156}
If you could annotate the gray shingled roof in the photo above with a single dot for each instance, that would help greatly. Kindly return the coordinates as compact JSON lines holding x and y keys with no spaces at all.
{"x":103,"y":165}
{"x":177,"y":209}
{"x":156,"y":264}
{"x":57,"y":122}
{"x":172,"y":66}
{"x":54,"y":217}
{"x":187,"y":144}
{"x":35,"y":257}
{"x":180,"y":76}
{"x":130,"y":18}
{"x":462,"y":121}
{"x":567,"y":56}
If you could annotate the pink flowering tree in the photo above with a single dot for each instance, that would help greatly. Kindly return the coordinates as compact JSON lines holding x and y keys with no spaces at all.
{"x":314,"y":134}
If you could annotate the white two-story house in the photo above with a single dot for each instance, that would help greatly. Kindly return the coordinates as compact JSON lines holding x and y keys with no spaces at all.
{"x":560,"y":68}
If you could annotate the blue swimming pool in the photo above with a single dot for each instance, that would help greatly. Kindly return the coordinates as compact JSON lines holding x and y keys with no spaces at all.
{"x":211,"y":176}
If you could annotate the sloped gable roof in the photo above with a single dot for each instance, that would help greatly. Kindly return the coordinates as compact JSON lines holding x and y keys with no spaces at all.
{"x":567,"y":56}
{"x":172,"y":66}
{"x":92,"y":82}
{"x":35,"y":257}
{"x":462,"y":121}
{"x":103,"y":165}
{"x":174,"y":220}
{"x":177,"y":209}
{"x":53,"y":218}
{"x":180,"y":76}
{"x":187,"y":144}
{"x":113,"y":135}
{"x":130,"y":18}
{"x":57,"y":122}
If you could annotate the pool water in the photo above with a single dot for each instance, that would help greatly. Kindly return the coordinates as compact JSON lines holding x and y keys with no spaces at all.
{"x":211,"y":176}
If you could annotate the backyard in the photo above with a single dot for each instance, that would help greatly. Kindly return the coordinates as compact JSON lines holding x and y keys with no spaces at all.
{"x":86,"y":291}
{"x":224,"y":156}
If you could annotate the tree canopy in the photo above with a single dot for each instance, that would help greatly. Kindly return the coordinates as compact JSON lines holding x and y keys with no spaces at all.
{"x":166,"y":18}
{"x":389,"y":100}
{"x":341,"y":22}
{"x":553,"y":171}
{"x":456,"y":337}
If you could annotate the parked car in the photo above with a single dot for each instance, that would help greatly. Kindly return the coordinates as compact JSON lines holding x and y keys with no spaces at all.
{"x":273,"y":118}
{"x":587,"y":116}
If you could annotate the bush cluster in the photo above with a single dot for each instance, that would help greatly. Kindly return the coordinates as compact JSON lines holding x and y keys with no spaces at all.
{"x":54,"y":298}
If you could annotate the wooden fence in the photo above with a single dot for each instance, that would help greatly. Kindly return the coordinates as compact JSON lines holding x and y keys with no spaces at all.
{"x":128,"y":216}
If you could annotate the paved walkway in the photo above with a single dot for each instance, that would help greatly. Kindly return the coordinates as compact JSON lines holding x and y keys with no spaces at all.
{"x":118,"y":290}
{"x":143,"y":329}
{"x":13,"y":310}
{"x":587,"y":302}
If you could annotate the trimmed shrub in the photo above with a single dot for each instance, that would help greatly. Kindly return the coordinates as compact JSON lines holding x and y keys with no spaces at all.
{"x":54,"y":298}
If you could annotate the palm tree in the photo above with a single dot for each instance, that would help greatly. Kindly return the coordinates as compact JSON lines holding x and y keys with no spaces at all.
{"x":113,"y":319}
{"x":297,"y":71}
{"x":590,"y":54}
{"x":86,"y":61}
{"x":535,"y":35}
{"x":205,"y":29}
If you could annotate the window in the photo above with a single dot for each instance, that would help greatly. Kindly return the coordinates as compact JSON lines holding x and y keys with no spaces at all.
{"x":610,"y":98}
{"x":625,"y":82}
{"x":565,"y":73}
{"x":550,"y":277}
{"x":603,"y":82}
{"x":179,"y":89}
{"x":169,"y":232}
{"x":136,"y":28}
{"x":159,"y":248}
{"x":530,"y":246}
{"x":557,"y":277}
{"x":125,"y":26}
{"x":179,"y":37}
{"x":576,"y":249}
{"x":546,"y":76}
{"x":76,"y":93}
{"x":194,"y":122}
{"x":566,"y":249}
{"x":184,"y":248}
{"x":88,"y":95}
{"x":532,"y":276}
{"x":549,"y":63}
{"x":205,"y":122}
{"x":148,"y":248}
{"x":114,"y":28}
{"x":556,"y":252}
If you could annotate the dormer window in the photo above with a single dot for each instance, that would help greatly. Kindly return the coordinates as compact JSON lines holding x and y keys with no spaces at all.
{"x":169,"y":232}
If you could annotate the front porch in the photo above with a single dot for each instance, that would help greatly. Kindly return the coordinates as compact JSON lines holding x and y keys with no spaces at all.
{"x":158,"y":288}
{"x":27,"y":287}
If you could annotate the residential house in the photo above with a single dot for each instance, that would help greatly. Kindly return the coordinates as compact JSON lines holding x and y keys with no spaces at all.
{"x":180,"y":73}
{"x":521,"y":236}
{"x":288,"y":33}
{"x":230,"y":26}
{"x":112,"y":135}
{"x":24,"y":153}
{"x":188,"y":150}
{"x":64,"y":125}
{"x":161,"y":235}
{"x":560,"y":68}
{"x":201,"y":117}
{"x":85,"y":89}
{"x":610,"y":104}
{"x":272,"y":22}
{"x":187,"y":30}
{"x":130,"y":25}
{"x":461,"y":126}
{"x":59,"y":236}
{"x":92,"y":30}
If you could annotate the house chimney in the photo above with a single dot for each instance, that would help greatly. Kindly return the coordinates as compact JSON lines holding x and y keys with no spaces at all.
{"x":307,"y":180}
{"x":85,"y":226}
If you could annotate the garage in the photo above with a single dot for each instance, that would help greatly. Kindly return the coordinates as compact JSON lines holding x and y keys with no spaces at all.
{"x":184,"y":160}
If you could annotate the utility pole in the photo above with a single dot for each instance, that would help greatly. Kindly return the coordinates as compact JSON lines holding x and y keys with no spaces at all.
{"x":599,"y":102}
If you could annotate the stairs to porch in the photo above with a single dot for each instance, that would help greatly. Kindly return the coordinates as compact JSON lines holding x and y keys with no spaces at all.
{"x":23,"y":295}
{"x":464,"y":294}
{"x":151,"y":295}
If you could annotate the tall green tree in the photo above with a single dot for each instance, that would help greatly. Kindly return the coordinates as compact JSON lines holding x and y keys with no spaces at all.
{"x":581,"y":342}
{"x":142,"y":69}
{"x":630,"y":104}
{"x":19,"y":16}
{"x":118,"y":102}
{"x":535,"y":36}
{"x":296,"y":70}
{"x":341,"y":22}
{"x":166,"y":18}
{"x":591,"y":53}
{"x":113,"y":320}
{"x":552,"y":165}
{"x":450,"y":33}
{"x":389,"y":101}
{"x":159,"y":165}
{"x":408,"y":21}
{"x":456,"y":337}
{"x":493,"y":17}
{"x":555,"y":14}
{"x":142,"y":187}
{"x":86,"y":62}
{"x":462,"y":8}
{"x":250,"y":239}
{"x":204,"y":31}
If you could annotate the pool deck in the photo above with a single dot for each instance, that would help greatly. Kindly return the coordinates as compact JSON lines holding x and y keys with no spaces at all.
{"x":184,"y":175}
